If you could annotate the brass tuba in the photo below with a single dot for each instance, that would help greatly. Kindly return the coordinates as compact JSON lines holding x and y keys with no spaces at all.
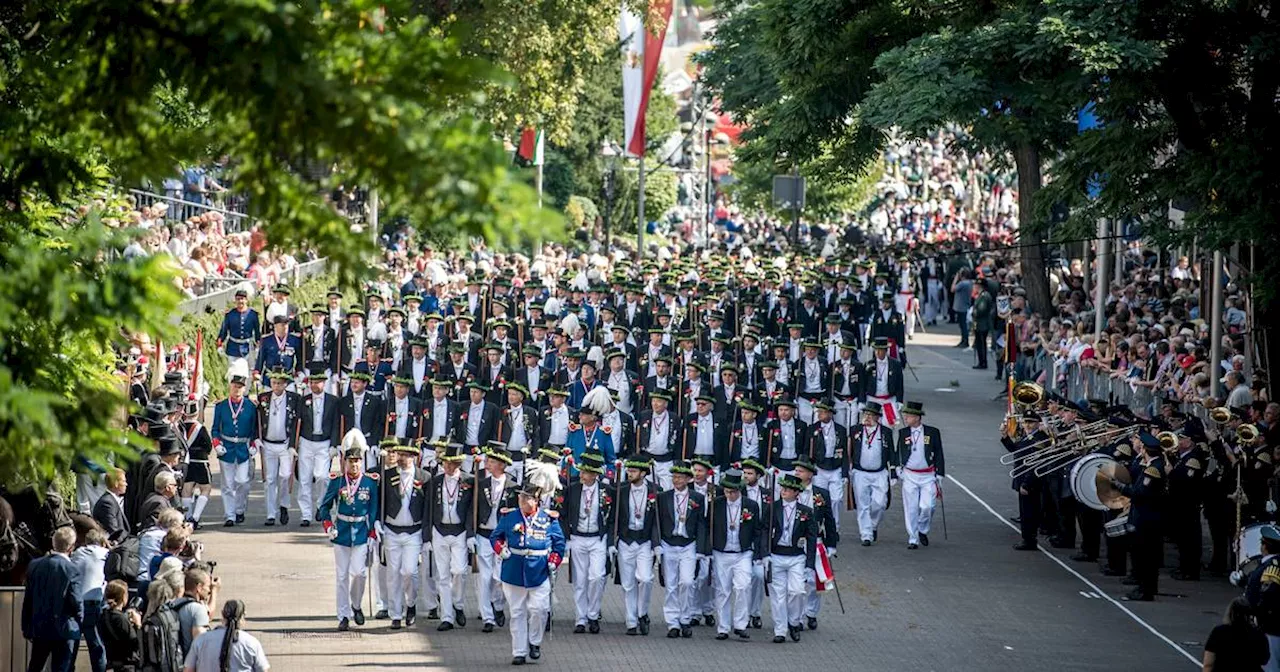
{"x":1028,"y":393}
{"x":1247,"y":434}
{"x":1168,"y":441}
{"x":1220,"y":415}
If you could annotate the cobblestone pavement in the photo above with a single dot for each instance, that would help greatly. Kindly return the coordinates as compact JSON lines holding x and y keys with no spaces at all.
{"x":969,"y":602}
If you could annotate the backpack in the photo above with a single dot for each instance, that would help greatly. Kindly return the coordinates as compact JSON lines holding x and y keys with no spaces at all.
{"x":161,"y":643}
{"x":122,"y":561}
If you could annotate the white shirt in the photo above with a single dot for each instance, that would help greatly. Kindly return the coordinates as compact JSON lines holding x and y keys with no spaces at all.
{"x":882,"y":377}
{"x":869,"y":457}
{"x":750,"y":446}
{"x":829,"y":438}
{"x":587,"y":508}
{"x":246,"y":654}
{"x":276,"y":432}
{"x":619,"y":383}
{"x":419,"y":373}
{"x":474,"y":416}
{"x":846,"y":365}
{"x":402,"y":416}
{"x":91,"y":561}
{"x":680,"y":498}
{"x":450,"y":492}
{"x":639,"y":495}
{"x":357,"y":403}
{"x":788,"y":522}
{"x":317,"y":411}
{"x":533,"y":375}
{"x":706,"y":442}
{"x":317,"y":336}
{"x":440,"y":418}
{"x":659,"y":433}
{"x":788,"y":430}
{"x":732,"y":519}
{"x":812,"y":375}
{"x":917,"y":459}
{"x":793,"y":350}
{"x":559,"y":425}
{"x":515,"y":416}
{"x":405,"y":492}
{"x":496,"y":486}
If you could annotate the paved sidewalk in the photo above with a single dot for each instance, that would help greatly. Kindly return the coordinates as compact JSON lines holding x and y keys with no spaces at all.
{"x":965,"y":603}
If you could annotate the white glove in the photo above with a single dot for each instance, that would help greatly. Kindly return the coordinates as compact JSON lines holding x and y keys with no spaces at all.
{"x":758,"y":563}
{"x":293,"y":453}
{"x":253,"y":450}
{"x":379,"y":528}
{"x":657,"y":554}
{"x":831,"y":553}
{"x":1237,"y":578}
{"x":1271,"y":506}
{"x":506,"y":552}
{"x":471,"y":544}
{"x":613,"y":554}
{"x":221,"y":449}
{"x":427,"y":548}
{"x":893,"y":476}
{"x":333,"y":532}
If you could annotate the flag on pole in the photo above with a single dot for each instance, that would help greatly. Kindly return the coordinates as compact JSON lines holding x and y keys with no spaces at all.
{"x":825,"y":578}
{"x":642,"y":39}
{"x":529,"y":152}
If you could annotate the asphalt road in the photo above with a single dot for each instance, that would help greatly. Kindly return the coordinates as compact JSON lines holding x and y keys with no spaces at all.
{"x":967,"y":602}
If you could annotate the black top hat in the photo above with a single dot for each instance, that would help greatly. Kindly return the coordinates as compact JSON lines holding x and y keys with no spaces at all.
{"x":913,"y":408}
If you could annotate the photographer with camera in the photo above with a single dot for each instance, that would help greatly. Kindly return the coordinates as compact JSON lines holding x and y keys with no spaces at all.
{"x":193,"y":616}
{"x":119,"y":629}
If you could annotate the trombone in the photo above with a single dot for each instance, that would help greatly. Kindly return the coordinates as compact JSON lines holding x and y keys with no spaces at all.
{"x":1047,"y":460}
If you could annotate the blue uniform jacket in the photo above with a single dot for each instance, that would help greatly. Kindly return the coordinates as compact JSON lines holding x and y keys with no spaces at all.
{"x":235,"y":431}
{"x":578,"y":391}
{"x":271,"y":355}
{"x":239,"y":332}
{"x":356,"y":510}
{"x":541,"y":535}
{"x":381,"y":372}
{"x":600,"y":443}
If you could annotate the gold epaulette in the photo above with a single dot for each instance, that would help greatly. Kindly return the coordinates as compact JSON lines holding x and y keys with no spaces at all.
{"x":1193,"y":463}
{"x":1152,"y":472}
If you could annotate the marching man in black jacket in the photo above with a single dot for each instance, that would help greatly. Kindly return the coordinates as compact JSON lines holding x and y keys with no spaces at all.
{"x":498,"y":495}
{"x":682,"y":521}
{"x":920,"y":454}
{"x":736,"y":541}
{"x":585,"y":519}
{"x":825,"y":529}
{"x":400,"y":530}
{"x":828,"y":442}
{"x":871,"y":457}
{"x":450,"y":531}
{"x":790,"y":557}
{"x":636,"y":523}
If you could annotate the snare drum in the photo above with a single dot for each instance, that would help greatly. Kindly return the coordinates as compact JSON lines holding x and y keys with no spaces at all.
{"x":1248,"y":548}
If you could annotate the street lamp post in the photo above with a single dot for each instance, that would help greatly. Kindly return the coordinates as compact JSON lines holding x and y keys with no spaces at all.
{"x":610,"y":153}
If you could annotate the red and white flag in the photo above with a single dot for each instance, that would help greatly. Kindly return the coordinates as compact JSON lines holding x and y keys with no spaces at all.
{"x":642,"y":39}
{"x":825,"y":578}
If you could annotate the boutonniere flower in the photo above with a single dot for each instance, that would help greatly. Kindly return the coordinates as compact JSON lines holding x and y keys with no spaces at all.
{"x":777,"y":432}
{"x":737,"y":396}
{"x":466,"y":486}
{"x":804,"y":517}
{"x":645,"y":424}
{"x":573,"y":427}
{"x":559,"y":500}
{"x":926,"y":440}
{"x":463,"y":416}
{"x":518,"y":528}
{"x":652,"y":498}
{"x":693,"y":423}
{"x":607,"y":499}
{"x":693,"y":504}
{"x":391,"y":416}
{"x":418,"y":484}
{"x":307,"y":401}
{"x":746,"y":515}
{"x":818,"y":500}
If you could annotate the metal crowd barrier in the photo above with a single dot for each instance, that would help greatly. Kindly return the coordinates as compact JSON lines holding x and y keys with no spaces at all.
{"x":1079,"y":382}
{"x":224,"y":297}
{"x":14,"y":648}
{"x":180,"y":210}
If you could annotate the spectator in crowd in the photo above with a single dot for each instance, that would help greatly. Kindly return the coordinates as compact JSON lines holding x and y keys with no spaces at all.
{"x":152,"y":538}
{"x":166,"y":487}
{"x":1240,"y":395}
{"x":174,"y":541}
{"x":193,"y":617}
{"x":1237,"y":645}
{"x":119,"y":629}
{"x":90,"y":561}
{"x":109,"y":509}
{"x":52,"y":611}
{"x":227,"y":648}
{"x":167,"y":586}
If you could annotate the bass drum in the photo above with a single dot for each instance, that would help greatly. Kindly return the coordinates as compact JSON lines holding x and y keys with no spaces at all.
{"x":1085,"y":477}
{"x":1249,"y":548}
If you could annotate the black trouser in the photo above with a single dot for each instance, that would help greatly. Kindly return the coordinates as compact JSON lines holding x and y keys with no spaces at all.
{"x":1066,"y":508}
{"x":1118,"y":554}
{"x":1090,"y":530}
{"x":980,"y":347}
{"x":1219,"y":512}
{"x":964,"y":328}
{"x":1147,"y":545}
{"x":1048,"y":510}
{"x":1029,"y":515}
{"x":1189,"y":538}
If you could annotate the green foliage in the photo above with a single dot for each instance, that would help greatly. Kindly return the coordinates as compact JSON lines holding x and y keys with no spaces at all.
{"x":581,"y":211}
{"x":826,"y":195}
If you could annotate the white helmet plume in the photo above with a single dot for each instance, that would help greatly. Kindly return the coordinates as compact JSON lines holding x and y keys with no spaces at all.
{"x":543,"y":476}
{"x":596,"y":356}
{"x":598,"y":400}
{"x":552,"y":307}
{"x":569,"y":324}
{"x":238,"y":368}
{"x":354,"y":439}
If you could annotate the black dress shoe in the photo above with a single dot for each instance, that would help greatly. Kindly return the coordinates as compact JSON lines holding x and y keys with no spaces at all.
{"x":305,"y":523}
{"x":488,"y":627}
{"x":593,"y":626}
{"x":433,"y":614}
{"x":795,"y":633}
{"x":500,"y":618}
{"x":721,"y":636}
{"x":518,"y":660}
{"x":644,"y":625}
{"x":779,"y":639}
{"x":1128,"y":581}
{"x":535,"y":652}
{"x":344,"y":625}
{"x":195,"y":525}
{"x":979,"y":367}
{"x":1138,"y":596}
{"x":395,"y":624}
{"x":875,"y":535}
{"x":686,"y":631}
{"x":579,"y":629}
{"x":1084,"y":557}
{"x":359,"y":616}
{"x":1061,"y":543}
{"x":270,"y":522}
{"x":239,"y":518}
{"x":709,"y":620}
{"x":673,"y":633}
{"x":381,"y":615}
{"x":229,"y":523}
{"x":742,"y":634}
{"x":633,"y":631}
{"x":696,"y":621}
{"x":284,"y":515}
{"x":812,"y":622}
{"x":1024,"y":546}
{"x":460,"y":617}
{"x":756,"y":623}
{"x":924,"y":539}
{"x":912,"y":547}
{"x":410,"y":617}
{"x":866,"y":542}
{"x":444,"y":625}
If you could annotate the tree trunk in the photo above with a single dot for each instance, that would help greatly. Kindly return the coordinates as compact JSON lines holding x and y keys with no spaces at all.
{"x":1030,"y":232}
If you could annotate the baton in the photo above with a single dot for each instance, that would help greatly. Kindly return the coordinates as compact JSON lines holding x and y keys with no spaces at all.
{"x":942,"y":504}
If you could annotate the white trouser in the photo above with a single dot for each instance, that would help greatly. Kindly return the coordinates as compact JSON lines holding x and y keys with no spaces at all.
{"x":350,"y":563}
{"x":933,"y":305}
{"x":313,"y":472}
{"x":1273,"y":664}
{"x":704,"y":590}
{"x":918,"y":493}
{"x":787,"y":600}
{"x":402,"y":551}
{"x":661,"y":475}
{"x":805,"y":410}
{"x":488,"y":590}
{"x":635,"y":562}
{"x":278,"y":465}
{"x":871,"y":493}
{"x":379,"y":587}
{"x":847,"y":412}
{"x":905,"y":305}
{"x":833,"y":481}
{"x":427,"y":578}
{"x":680,"y":567}
{"x":89,"y":490}
{"x":529,"y":607}
{"x":812,"y":600}
{"x":757,"y":588}
{"x":235,"y":488}
{"x":587,"y":555}
{"x":451,"y":567}
{"x":733,"y":580}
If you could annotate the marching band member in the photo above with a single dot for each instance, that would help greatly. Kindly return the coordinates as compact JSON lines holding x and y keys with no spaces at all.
{"x":449,"y":506}
{"x":882,"y":381}
{"x":318,"y":433}
{"x":681,"y":520}
{"x":400,"y":530}
{"x":497,"y":498}
{"x":234,"y":429}
{"x":279,"y":427}
{"x":637,"y":540}
{"x":826,"y":529}
{"x":790,"y":440}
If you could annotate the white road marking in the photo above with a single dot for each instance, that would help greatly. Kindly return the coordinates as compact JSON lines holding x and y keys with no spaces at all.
{"x":1195,"y":661}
